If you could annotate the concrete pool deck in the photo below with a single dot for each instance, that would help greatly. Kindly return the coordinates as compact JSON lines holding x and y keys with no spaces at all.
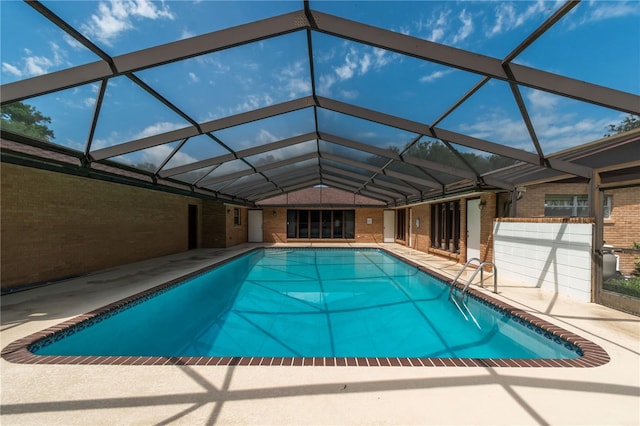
{"x":180,"y":394}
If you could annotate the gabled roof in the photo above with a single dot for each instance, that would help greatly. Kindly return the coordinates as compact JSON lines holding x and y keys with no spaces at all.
{"x":382,"y":153}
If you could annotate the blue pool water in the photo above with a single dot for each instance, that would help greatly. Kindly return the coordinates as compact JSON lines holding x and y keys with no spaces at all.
{"x":309,"y":303}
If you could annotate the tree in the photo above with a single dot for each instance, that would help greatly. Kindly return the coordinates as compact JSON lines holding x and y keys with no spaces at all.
{"x":439,"y":153}
{"x":24,"y":119}
{"x":630,"y":122}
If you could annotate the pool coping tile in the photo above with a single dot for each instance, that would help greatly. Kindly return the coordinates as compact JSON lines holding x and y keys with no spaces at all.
{"x":593,"y":355}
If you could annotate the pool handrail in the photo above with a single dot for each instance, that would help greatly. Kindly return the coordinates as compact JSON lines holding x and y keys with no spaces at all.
{"x":479,"y":269}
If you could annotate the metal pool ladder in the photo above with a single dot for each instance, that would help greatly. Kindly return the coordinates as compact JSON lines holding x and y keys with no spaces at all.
{"x":481,"y":270}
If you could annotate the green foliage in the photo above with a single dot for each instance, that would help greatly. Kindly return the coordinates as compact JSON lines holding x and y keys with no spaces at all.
{"x":440,"y":153}
{"x":24,"y":119}
{"x":626,"y":286}
{"x":630,"y":122}
{"x":150,"y":167}
{"x":636,"y":271}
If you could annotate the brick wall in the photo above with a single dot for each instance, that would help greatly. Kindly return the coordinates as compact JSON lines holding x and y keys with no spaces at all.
{"x":275,"y":225}
{"x":487,"y":217}
{"x":421,"y":238}
{"x":56,"y":225}
{"x":369,"y":233}
{"x":213,"y":224}
{"x":620,"y":230}
{"x":236,"y":234}
{"x":532,"y":202}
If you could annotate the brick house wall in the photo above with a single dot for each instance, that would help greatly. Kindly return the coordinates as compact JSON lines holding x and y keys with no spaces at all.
{"x":531,"y":204}
{"x":421,"y":236}
{"x":56,"y":225}
{"x":275,"y":225}
{"x":214,"y":220}
{"x":621,"y":230}
{"x":487,"y":216}
{"x":236,"y":234}
{"x":365,"y":232}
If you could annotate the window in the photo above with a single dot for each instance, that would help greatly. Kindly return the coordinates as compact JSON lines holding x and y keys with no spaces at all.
{"x":608,"y":200}
{"x":566,"y":205}
{"x":445,"y":226}
{"x":236,"y":216}
{"x":573,"y":205}
{"x":327,"y":224}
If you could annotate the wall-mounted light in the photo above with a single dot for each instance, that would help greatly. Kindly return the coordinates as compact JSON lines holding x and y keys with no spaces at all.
{"x":482,"y":204}
{"x":274,"y":213}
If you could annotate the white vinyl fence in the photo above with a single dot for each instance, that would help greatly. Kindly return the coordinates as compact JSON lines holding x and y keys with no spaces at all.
{"x":552,"y":256}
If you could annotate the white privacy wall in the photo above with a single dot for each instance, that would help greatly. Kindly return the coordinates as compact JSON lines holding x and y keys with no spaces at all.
{"x":553,"y":256}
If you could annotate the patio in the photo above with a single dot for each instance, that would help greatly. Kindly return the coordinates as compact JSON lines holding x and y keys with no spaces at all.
{"x":108,"y":394}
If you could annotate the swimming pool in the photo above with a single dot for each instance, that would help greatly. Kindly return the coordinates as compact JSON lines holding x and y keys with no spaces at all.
{"x":328,"y":306}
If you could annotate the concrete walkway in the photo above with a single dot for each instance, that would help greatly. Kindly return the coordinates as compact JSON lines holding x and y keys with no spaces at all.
{"x":257,"y":395}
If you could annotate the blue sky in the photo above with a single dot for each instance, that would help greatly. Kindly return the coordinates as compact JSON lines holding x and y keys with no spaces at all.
{"x":598,"y":42}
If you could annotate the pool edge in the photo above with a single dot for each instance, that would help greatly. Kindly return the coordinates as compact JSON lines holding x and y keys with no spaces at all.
{"x":18,"y":351}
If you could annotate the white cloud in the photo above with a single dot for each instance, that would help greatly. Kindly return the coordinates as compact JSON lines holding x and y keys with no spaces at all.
{"x":381,"y":57}
{"x":436,"y":75}
{"x":436,"y":34}
{"x":542,"y":100}
{"x":148,"y":9}
{"x":116,"y":138}
{"x":438,"y":26}
{"x":326,"y":82}
{"x":34,"y":65}
{"x":186,"y":34}
{"x":555,"y":130}
{"x":297,"y":86}
{"x":264,"y":136}
{"x":496,"y":126}
{"x":11,"y":69}
{"x":37,"y":65}
{"x":108,"y":23}
{"x":293,"y":69}
{"x":349,"y":94}
{"x":252,"y":66}
{"x":157,"y":128}
{"x":358,"y":62}
{"x":603,"y":10}
{"x":365,"y":62}
{"x":294,"y":80}
{"x":72,"y":42}
{"x":212,"y":64}
{"x":193,"y":77}
{"x":533,"y":9}
{"x":507,"y":17}
{"x":348,"y":68}
{"x":157,"y":154}
{"x":465,"y":30}
{"x":115,"y":17}
{"x":560,"y":131}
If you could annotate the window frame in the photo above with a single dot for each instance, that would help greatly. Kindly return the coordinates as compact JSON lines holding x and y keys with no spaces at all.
{"x":445,"y":226}
{"x":317,"y":224}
